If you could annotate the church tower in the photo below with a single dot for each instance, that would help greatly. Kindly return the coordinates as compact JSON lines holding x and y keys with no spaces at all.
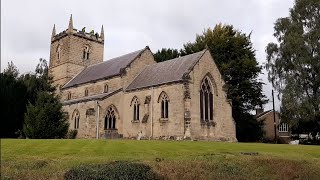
{"x":72,"y":50}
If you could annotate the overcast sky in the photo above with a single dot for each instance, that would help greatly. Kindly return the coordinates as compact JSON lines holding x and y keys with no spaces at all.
{"x":26,"y":25}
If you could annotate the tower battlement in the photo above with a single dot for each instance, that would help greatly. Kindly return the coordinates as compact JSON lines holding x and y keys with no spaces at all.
{"x":92,"y":36}
{"x":89,"y":36}
{"x":72,"y":50}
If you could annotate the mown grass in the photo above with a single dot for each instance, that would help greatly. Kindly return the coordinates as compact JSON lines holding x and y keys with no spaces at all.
{"x":50,"y":159}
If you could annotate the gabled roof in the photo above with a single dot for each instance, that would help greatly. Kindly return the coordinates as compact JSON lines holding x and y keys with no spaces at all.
{"x":104,"y":70}
{"x":264,"y":113}
{"x":91,"y":98}
{"x":165,"y":72}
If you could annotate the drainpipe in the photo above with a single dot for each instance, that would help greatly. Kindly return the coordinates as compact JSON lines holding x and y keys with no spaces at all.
{"x":151,"y":113}
{"x":98,"y":115}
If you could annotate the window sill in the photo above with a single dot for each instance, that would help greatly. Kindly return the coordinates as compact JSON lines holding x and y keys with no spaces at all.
{"x":164,"y":119}
{"x":207,"y":122}
{"x":135,"y":121}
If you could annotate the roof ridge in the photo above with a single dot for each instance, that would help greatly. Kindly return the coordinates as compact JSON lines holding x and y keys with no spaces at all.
{"x":114,"y":58}
{"x":169,"y":60}
{"x":111,"y":67}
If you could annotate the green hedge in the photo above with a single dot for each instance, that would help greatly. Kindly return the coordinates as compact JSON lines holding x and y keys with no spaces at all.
{"x":111,"y":171}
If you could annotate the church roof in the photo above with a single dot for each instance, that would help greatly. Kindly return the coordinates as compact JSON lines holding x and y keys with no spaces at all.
{"x":165,"y":72}
{"x":91,"y":98}
{"x":104,"y":70}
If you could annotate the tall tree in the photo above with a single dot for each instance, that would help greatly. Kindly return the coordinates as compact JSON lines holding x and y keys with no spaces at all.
{"x":45,"y":119}
{"x":38,"y":81}
{"x":166,"y":54}
{"x":235,"y":57}
{"x":11,"y":70}
{"x":293,"y":65}
{"x":12,"y":102}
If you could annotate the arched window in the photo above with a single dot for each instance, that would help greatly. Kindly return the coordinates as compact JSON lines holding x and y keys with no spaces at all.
{"x":76,"y":119}
{"x":105,"y":88}
{"x":69,"y":95}
{"x":110,"y":119}
{"x":136,"y":108}
{"x":86,"y":50}
{"x":164,"y":99}
{"x":86,"y":92}
{"x":206,"y":100}
{"x":59,"y":51}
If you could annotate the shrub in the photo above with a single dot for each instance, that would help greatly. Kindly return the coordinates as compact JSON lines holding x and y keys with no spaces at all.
{"x":111,"y":171}
{"x":72,"y":134}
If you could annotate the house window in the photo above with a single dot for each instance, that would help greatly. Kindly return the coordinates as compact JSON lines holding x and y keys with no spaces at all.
{"x":110,"y":119}
{"x":164,"y":99}
{"x":86,"y":92}
{"x":76,"y":119}
{"x":283,"y":127}
{"x":136,"y":108}
{"x":105,"y":88}
{"x":206,"y":100}
{"x":69,"y":96}
{"x":85,"y":54}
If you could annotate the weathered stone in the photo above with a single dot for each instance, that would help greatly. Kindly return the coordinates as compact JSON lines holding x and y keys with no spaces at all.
{"x":183,"y":106}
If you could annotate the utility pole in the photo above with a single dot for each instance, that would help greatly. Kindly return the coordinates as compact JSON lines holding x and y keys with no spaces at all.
{"x":274,"y":120}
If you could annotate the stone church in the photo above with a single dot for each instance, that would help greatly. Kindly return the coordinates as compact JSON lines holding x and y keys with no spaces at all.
{"x":132,"y":96}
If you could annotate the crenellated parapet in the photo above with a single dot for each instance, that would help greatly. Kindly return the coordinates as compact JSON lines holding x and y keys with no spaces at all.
{"x":92,"y":36}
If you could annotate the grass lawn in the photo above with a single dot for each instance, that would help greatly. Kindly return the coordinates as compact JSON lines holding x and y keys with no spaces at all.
{"x":50,"y":159}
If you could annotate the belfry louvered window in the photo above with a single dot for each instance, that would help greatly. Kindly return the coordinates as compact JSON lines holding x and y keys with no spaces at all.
{"x":85,"y":54}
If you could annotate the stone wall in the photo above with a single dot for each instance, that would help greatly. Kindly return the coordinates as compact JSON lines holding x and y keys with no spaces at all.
{"x":173,"y":126}
{"x":150,"y":123}
{"x":224,"y":125}
{"x":71,"y":60}
{"x":93,"y":88}
{"x":87,"y":124}
{"x":145,"y":59}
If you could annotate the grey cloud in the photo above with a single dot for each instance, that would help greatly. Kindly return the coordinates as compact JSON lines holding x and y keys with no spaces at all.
{"x":130,"y":25}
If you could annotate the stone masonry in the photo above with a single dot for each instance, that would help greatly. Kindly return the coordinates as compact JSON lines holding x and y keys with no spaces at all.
{"x":132,"y":95}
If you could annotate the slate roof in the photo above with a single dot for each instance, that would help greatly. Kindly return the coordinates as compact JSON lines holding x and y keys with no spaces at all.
{"x":91,"y":98}
{"x":262,"y":114}
{"x":165,"y":72}
{"x":104,"y":70}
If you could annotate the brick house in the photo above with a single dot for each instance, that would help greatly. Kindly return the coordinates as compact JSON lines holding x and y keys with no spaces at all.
{"x":272,"y":127}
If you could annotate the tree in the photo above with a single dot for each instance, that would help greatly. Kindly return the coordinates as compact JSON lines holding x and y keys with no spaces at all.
{"x":293,"y":65}
{"x":15,"y":94}
{"x":166,"y":54}
{"x":12,"y":100}
{"x":45,"y":119}
{"x":11,"y":70}
{"x":38,"y":81}
{"x":235,"y":57}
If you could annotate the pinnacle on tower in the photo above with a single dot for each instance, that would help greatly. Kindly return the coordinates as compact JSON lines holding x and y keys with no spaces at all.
{"x":102,"y":33}
{"x":70,"y":27}
{"x":53,"y":31}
